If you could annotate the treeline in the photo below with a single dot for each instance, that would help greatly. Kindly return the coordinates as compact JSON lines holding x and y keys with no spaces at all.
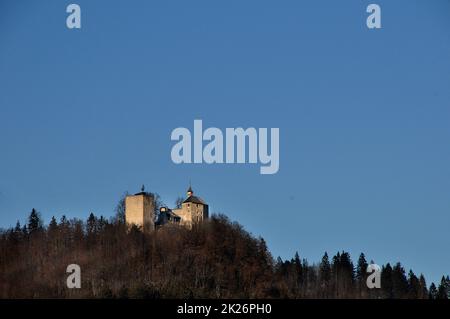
{"x":215,"y":259}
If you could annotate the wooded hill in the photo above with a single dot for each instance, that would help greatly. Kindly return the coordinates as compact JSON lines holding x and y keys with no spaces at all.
{"x":216,"y":259}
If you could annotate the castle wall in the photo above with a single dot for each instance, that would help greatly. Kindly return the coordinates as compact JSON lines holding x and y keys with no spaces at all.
{"x":139,"y":210}
{"x":185,"y":215}
{"x":191,"y":213}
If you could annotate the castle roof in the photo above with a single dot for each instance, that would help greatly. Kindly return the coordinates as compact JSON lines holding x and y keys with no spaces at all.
{"x":171,"y":213}
{"x":144,"y":193}
{"x":194,"y":199}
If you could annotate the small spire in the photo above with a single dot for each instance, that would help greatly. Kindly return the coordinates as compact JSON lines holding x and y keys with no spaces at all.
{"x":190,"y":192}
{"x":142,"y":188}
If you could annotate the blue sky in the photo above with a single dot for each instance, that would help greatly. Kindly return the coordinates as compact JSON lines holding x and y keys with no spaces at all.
{"x":363,"y":115}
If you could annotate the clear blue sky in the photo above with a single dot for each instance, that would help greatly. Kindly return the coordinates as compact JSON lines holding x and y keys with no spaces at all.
{"x":363,"y":116}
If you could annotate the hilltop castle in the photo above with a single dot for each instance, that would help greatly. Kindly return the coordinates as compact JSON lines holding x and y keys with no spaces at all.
{"x":140,"y":210}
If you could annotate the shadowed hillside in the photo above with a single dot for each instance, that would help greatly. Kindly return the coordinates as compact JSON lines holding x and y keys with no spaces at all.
{"x":216,"y":259}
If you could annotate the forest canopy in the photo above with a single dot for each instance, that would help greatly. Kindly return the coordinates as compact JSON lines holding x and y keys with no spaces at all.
{"x":215,"y":259}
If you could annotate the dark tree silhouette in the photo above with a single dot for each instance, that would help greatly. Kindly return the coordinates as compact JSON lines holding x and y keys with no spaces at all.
{"x":34,"y":222}
{"x":413,"y":286}
{"x":423,"y":293}
{"x":433,"y":293}
{"x":120,"y":208}
{"x":386,"y":279}
{"x":179,"y":201}
{"x":399,"y":282}
{"x":325,"y":276}
{"x":361,"y":275}
{"x":442,"y":292}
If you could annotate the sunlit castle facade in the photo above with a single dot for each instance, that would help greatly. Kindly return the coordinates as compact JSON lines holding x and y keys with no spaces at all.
{"x":140,"y":211}
{"x":193,"y":209}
